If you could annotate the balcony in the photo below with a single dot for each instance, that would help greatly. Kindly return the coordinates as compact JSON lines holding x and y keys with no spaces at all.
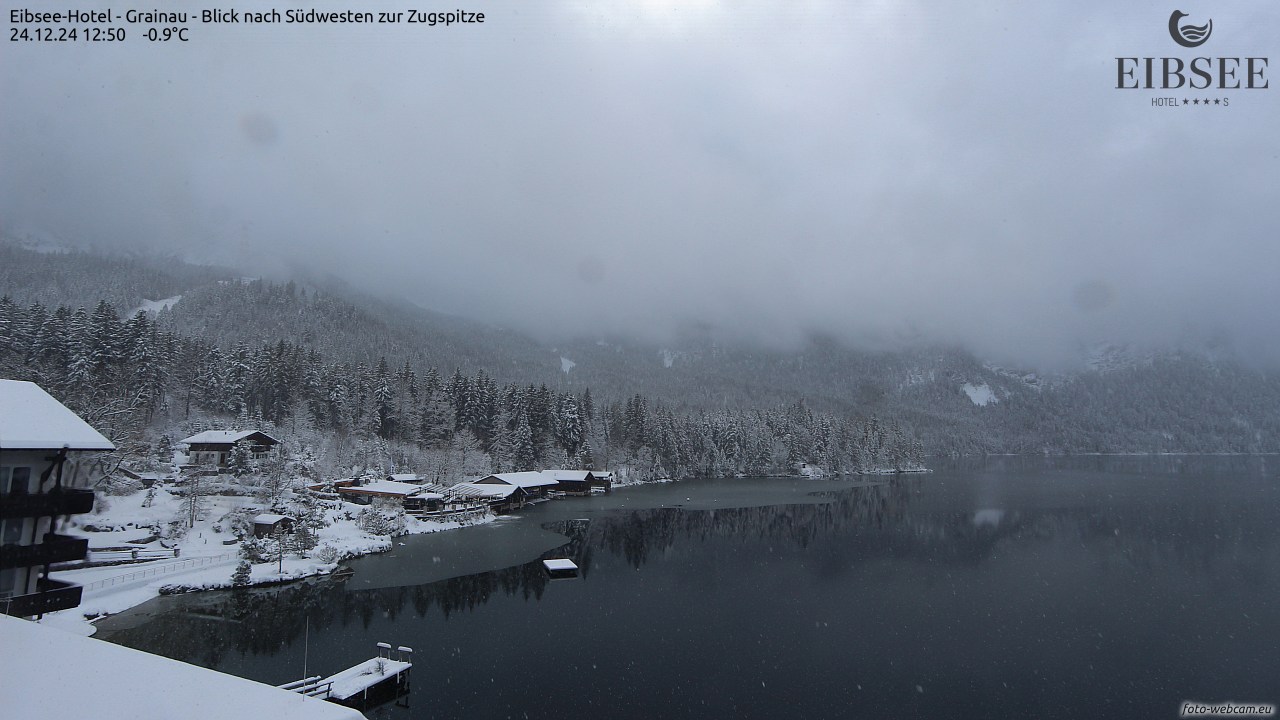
{"x":53,"y":595}
{"x":55,"y":548}
{"x":69,"y":501}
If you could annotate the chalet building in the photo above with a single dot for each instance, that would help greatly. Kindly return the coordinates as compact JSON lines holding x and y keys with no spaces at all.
{"x":571,"y":482}
{"x":268,"y":524}
{"x":44,"y":475}
{"x":213,"y":447}
{"x":501,"y":497}
{"x":602,"y":480}
{"x":454,"y":504}
{"x":414,"y":498}
{"x":580,"y":482}
{"x":535,"y":484}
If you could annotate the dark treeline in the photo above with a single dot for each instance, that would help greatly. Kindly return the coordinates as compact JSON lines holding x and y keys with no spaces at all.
{"x":133,"y":377}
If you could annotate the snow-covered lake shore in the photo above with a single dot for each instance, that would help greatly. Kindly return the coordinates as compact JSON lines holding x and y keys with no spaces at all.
{"x":207,"y":554}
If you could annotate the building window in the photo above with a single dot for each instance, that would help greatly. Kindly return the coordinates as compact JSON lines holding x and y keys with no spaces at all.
{"x":15,"y":480}
{"x":9,"y":582}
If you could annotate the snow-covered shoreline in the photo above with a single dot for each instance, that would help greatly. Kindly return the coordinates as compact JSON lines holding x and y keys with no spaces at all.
{"x":207,"y":554}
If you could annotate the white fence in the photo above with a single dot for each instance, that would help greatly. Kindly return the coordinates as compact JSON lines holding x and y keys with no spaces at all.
{"x":156,"y":571}
{"x":134,"y":554}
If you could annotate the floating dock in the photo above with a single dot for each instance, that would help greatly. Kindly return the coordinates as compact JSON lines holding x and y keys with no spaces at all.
{"x":560,"y":567}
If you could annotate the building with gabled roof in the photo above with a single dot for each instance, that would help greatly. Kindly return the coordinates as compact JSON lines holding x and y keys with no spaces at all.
{"x":501,"y":497}
{"x":412,"y":497}
{"x":44,"y":475}
{"x":533,"y":482}
{"x":213,"y":447}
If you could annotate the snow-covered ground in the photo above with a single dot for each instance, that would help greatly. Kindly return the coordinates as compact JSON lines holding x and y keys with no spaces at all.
{"x":207,"y":555}
{"x":980,"y":394}
{"x":155,"y":306}
{"x":48,"y":673}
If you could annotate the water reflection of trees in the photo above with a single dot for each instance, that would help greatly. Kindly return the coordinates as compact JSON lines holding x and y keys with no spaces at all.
{"x":848,"y":526}
{"x":263,"y":621}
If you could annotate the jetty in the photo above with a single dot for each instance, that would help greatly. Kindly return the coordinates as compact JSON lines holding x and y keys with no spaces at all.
{"x":373,"y":682}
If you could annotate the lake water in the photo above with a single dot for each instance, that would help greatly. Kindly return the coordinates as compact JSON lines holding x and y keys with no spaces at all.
{"x":1005,"y":587}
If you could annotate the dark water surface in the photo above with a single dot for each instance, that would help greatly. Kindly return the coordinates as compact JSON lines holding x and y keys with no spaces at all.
{"x":1005,"y":587}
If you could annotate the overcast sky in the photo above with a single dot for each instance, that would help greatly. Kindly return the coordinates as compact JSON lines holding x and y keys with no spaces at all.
{"x":879,"y":171}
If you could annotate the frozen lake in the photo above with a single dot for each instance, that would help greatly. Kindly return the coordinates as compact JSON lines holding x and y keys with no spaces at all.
{"x":1017,"y":587}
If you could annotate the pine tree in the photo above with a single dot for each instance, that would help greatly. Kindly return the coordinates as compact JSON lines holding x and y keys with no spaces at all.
{"x":304,"y":538}
{"x":586,"y":460}
{"x":240,"y":460}
{"x":569,"y":424}
{"x":242,"y":575}
{"x":523,"y":456}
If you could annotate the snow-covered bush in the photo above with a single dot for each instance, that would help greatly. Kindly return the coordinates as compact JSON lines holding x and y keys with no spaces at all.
{"x":382,"y":518}
{"x":252,"y":550}
{"x":121,"y":485}
{"x":239,"y":522}
{"x":173,"y":531}
{"x":327,"y":554}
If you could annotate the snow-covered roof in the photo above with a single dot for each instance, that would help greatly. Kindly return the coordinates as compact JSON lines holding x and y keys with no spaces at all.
{"x":113,"y":682}
{"x":478,"y":490}
{"x":567,"y":475}
{"x":270,"y":518}
{"x":382,"y":487}
{"x":403,"y":477}
{"x":528,"y":479}
{"x":223,"y":436}
{"x":559,"y":564}
{"x":32,"y":420}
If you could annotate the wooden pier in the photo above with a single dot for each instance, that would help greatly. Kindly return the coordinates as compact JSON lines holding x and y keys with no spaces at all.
{"x":373,"y":682}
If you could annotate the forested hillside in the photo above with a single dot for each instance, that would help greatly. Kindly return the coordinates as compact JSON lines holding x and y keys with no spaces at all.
{"x":145,"y":387}
{"x":314,"y":353}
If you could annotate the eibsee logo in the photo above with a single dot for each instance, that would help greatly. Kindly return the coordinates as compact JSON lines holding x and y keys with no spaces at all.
{"x":1188,"y":36}
{"x":1216,"y":74}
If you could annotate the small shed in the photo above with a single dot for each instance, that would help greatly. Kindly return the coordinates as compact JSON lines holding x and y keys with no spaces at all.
{"x":267,"y":524}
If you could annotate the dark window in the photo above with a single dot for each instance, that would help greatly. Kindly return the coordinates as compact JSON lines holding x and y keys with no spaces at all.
{"x":15,"y":481}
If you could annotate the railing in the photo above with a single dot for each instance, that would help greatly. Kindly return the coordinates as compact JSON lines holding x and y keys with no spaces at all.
{"x":156,"y":570}
{"x":55,"y":548}
{"x":68,"y":501}
{"x":52,"y":595}
{"x":311,"y":687}
{"x":454,"y":515}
